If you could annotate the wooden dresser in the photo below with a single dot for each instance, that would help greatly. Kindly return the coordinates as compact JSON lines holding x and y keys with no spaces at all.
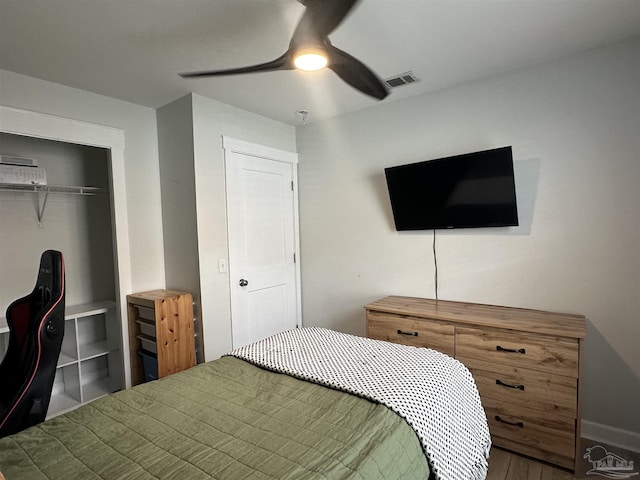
{"x":526,"y":363}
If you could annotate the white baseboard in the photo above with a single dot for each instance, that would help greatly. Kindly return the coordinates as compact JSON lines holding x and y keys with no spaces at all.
{"x":617,"y":437}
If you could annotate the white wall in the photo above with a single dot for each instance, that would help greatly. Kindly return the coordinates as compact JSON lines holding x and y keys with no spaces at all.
{"x":179,"y":220}
{"x":575,"y":127}
{"x":141,"y":159}
{"x":194,"y":202}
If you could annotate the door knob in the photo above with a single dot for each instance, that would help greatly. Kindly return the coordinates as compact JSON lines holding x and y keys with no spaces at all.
{"x":243,"y":282}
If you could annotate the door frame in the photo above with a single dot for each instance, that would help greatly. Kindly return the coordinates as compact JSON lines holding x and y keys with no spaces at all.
{"x":40,"y":125}
{"x":234,"y":145}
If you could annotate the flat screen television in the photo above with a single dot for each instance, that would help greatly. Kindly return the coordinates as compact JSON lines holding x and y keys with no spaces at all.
{"x":464,"y":191}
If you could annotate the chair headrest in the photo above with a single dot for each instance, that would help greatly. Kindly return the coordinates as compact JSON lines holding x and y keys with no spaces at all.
{"x":50,"y":280}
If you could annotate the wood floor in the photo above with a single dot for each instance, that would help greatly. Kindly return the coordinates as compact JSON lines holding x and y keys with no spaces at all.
{"x":504,"y":465}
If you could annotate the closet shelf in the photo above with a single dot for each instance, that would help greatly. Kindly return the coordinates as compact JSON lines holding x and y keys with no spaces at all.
{"x":70,"y":190}
{"x":46,"y":190}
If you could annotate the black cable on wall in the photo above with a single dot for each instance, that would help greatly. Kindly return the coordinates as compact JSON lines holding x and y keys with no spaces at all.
{"x":435,"y":262}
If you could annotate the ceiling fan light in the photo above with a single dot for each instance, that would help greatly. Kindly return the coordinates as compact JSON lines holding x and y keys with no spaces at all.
{"x":311,"y":61}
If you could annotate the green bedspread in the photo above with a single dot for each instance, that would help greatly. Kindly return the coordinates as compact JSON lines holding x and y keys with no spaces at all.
{"x":225,"y":419}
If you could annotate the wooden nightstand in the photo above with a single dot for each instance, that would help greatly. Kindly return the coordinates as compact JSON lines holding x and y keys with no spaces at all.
{"x":161,"y":322}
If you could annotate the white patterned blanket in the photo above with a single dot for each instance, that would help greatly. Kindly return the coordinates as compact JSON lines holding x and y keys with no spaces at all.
{"x":433,"y":392}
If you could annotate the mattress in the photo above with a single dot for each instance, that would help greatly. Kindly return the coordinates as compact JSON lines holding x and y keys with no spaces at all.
{"x":226,"y":419}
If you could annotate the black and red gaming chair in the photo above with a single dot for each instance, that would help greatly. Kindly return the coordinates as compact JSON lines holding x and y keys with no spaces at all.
{"x":36,"y":328}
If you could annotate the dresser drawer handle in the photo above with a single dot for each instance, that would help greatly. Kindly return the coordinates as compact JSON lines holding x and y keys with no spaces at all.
{"x":410,"y":334}
{"x":515,"y":424}
{"x":502,"y":384}
{"x":510,"y":350}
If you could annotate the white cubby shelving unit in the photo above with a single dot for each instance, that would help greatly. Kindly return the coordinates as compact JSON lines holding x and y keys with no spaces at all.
{"x":90,"y":363}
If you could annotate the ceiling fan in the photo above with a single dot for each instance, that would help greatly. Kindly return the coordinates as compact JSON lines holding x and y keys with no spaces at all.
{"x":310,"y":49}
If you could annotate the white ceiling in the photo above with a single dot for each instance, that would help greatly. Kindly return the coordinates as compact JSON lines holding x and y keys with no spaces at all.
{"x":134,"y":49}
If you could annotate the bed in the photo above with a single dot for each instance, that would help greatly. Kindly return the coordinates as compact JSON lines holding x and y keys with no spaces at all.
{"x":304,"y":404}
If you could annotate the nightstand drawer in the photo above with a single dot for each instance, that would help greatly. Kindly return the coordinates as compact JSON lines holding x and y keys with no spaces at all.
{"x":554,"y":395}
{"x":408,"y":331}
{"x":555,"y":355}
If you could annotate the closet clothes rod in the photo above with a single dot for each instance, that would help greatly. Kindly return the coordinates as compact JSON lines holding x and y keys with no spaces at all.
{"x":46,"y":189}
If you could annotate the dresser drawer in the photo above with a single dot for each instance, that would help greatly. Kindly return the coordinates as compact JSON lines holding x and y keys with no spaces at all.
{"x":555,"y":355}
{"x":526,"y":431}
{"x":411,"y":331}
{"x":554,"y":395}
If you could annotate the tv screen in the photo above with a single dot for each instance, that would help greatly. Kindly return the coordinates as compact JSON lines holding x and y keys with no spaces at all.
{"x":464,"y":191}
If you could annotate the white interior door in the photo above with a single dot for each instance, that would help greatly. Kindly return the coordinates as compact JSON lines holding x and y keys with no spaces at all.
{"x":263,"y":238}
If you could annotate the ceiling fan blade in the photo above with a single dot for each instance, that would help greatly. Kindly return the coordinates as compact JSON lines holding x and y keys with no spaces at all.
{"x":281,"y":63}
{"x":320,"y":18}
{"x":356,"y":73}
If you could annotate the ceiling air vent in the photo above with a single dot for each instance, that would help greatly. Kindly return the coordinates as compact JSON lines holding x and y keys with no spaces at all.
{"x":402,"y":79}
